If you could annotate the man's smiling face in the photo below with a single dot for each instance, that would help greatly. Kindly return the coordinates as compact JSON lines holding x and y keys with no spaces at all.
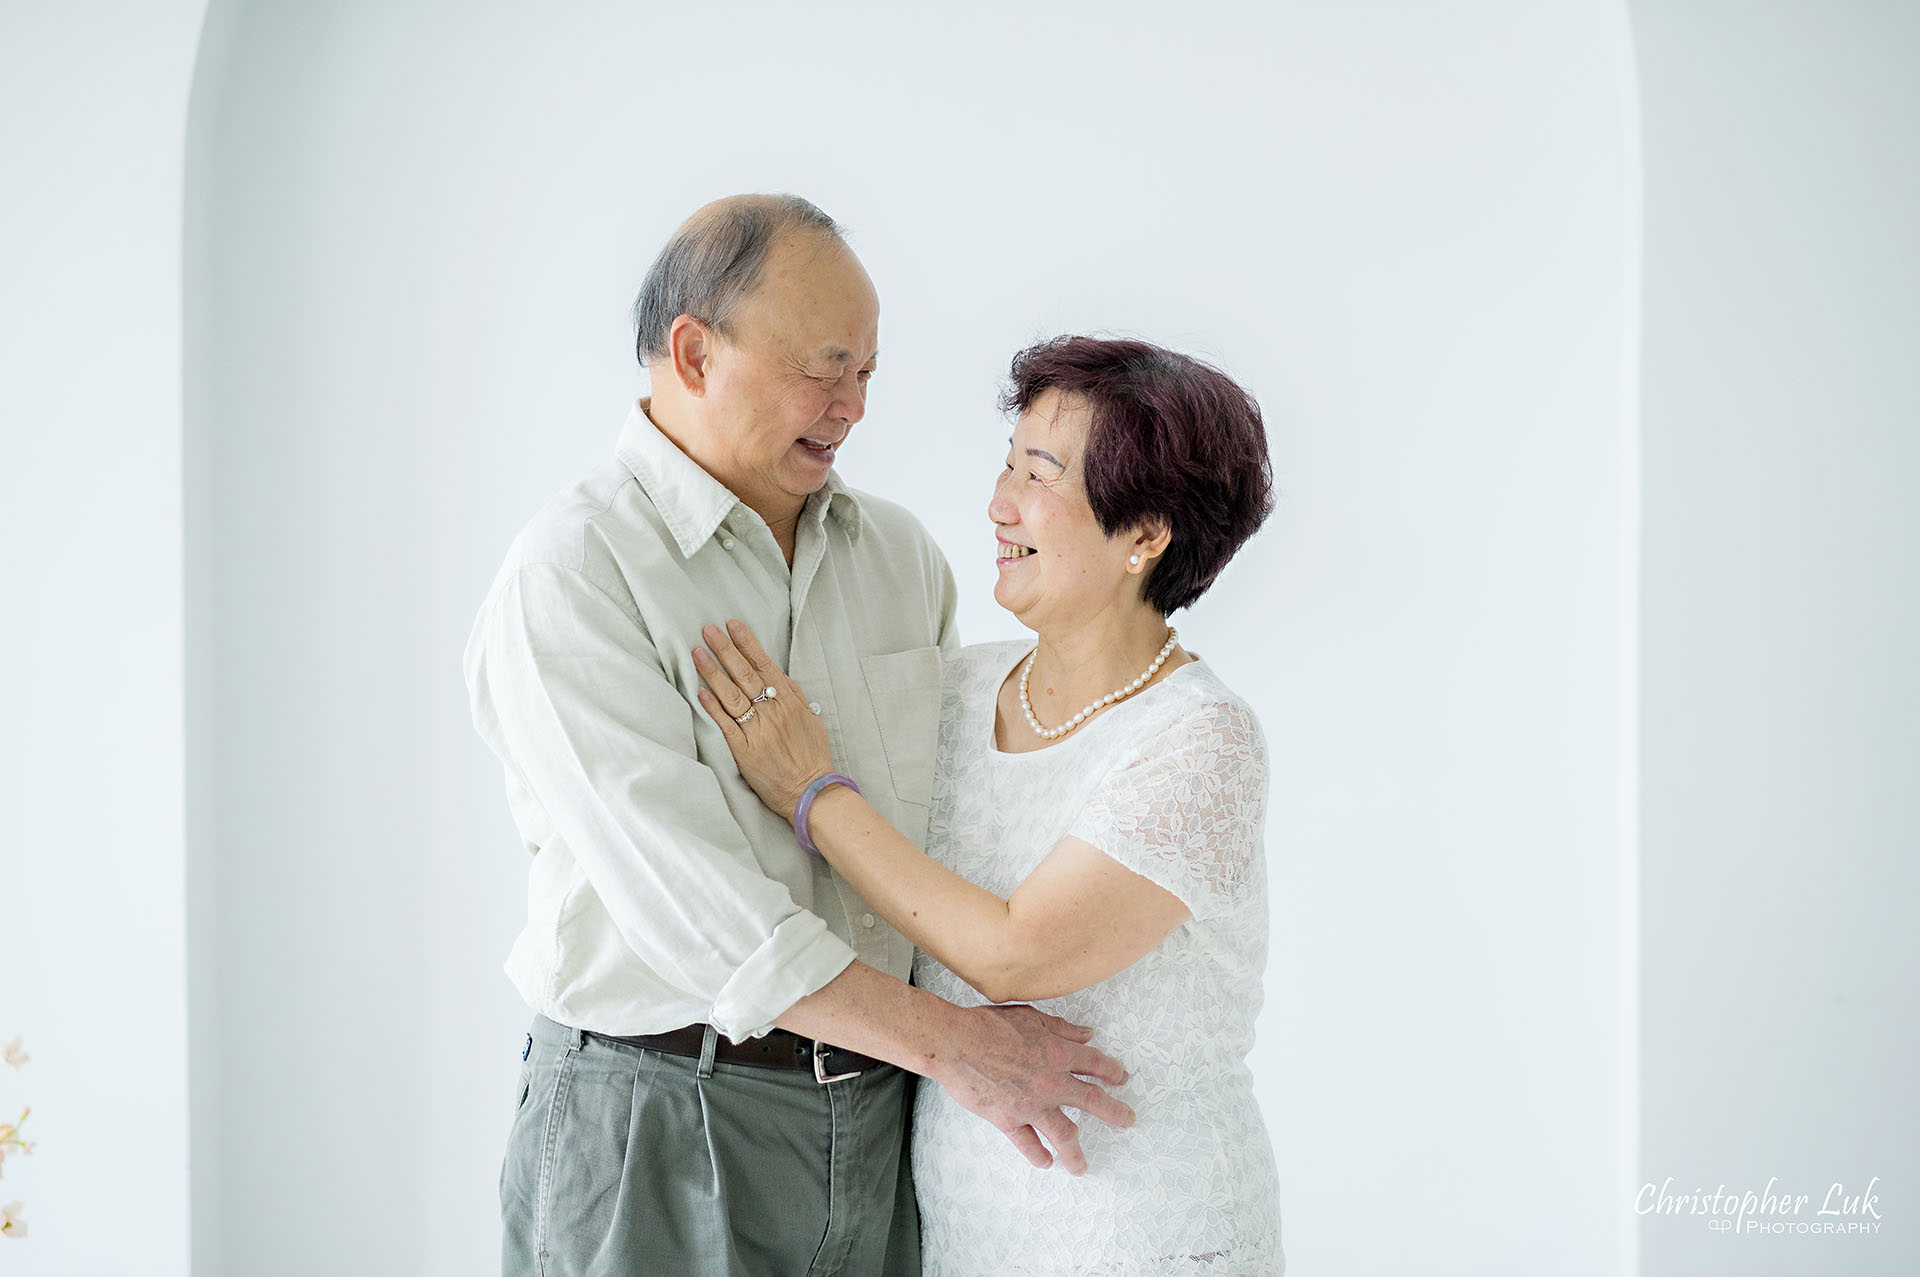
{"x":790,"y":380}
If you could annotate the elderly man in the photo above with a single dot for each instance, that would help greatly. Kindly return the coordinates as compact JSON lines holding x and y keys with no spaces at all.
{"x":719,"y":1073}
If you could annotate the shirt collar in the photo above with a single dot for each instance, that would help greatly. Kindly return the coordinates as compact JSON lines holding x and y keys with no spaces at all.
{"x":692,"y":502}
{"x":839,"y":501}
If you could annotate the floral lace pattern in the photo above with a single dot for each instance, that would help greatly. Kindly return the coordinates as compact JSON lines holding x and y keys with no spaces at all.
{"x":1172,"y":784}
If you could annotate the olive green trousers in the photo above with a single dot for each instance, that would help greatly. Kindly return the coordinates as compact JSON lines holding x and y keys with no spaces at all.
{"x":626,"y":1161}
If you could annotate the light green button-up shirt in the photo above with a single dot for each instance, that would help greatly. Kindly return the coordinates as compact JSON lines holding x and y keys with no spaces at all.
{"x":662,"y":892}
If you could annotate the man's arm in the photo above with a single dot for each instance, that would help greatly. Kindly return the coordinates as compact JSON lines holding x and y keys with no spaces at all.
{"x":1016,"y":1067}
{"x":569,"y":690}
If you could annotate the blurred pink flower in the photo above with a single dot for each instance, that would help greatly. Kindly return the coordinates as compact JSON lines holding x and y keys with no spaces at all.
{"x":10,"y":1141}
{"x":11,"y":1225}
{"x":12,"y":1053}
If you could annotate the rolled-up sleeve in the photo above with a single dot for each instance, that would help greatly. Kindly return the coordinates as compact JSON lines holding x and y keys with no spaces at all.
{"x":569,"y":690}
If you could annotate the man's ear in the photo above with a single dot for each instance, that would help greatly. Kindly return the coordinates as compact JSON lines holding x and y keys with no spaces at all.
{"x":1149,"y":541}
{"x":690,"y":347}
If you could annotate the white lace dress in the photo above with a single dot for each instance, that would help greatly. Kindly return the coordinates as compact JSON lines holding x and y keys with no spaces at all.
{"x":1171,"y":783}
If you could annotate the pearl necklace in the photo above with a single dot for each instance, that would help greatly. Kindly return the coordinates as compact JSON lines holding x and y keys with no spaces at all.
{"x":1117,"y":694}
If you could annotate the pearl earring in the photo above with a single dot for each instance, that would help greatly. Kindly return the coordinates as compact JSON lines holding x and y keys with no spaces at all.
{"x":1134,"y":559}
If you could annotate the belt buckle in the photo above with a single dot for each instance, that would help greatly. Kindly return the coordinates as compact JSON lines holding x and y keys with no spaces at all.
{"x":820,"y":1073}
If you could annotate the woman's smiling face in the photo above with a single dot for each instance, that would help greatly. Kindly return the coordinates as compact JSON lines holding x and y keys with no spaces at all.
{"x":1055,"y":563}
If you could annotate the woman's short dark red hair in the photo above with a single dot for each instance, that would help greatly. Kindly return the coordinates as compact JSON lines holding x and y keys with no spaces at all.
{"x":1172,"y":439}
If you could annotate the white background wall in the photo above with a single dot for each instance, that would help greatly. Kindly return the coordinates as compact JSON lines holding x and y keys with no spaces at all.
{"x":1408,"y":232}
{"x":410,"y":240}
{"x":1782,"y":619}
{"x":92,"y":923}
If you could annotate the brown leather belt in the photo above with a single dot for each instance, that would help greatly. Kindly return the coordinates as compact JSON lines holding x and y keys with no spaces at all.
{"x":776,"y":1049}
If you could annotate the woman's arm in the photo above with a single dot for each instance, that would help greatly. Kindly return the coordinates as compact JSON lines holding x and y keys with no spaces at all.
{"x":1077,"y":919}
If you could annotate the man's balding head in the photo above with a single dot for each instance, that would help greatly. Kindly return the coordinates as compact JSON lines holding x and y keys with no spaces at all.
{"x":759,"y":329}
{"x":715,"y":260}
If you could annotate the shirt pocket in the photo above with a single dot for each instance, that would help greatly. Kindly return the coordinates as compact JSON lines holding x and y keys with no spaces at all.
{"x":905,"y":690}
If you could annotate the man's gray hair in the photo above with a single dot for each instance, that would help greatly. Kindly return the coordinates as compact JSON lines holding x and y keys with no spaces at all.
{"x":713,"y":262}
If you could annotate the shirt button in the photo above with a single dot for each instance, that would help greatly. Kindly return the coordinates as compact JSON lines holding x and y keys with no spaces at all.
{"x":726,"y":543}
{"x":814,"y":706}
{"x":867,"y":920}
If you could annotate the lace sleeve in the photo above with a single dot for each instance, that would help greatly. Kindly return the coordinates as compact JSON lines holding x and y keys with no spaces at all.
{"x":1187,"y":810}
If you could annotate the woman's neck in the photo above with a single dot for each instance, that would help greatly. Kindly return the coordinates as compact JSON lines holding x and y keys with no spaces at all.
{"x":1077,"y":665}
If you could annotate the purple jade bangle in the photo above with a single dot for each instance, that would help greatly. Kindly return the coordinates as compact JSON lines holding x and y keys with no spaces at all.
{"x":805,"y":805}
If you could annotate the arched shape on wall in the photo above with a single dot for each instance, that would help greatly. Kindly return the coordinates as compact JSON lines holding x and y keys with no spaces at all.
{"x":412,"y":234}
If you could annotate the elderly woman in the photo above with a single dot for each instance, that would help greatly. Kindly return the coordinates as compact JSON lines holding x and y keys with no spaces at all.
{"x":1095,"y":845}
